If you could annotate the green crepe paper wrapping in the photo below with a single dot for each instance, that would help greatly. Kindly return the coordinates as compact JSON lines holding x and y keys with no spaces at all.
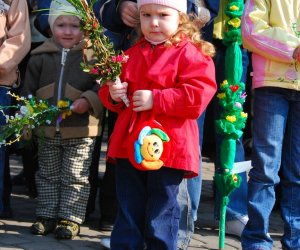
{"x":227,"y":153}
{"x":232,"y":118}
{"x":226,"y":183}
{"x":232,"y":12}
{"x":234,"y":64}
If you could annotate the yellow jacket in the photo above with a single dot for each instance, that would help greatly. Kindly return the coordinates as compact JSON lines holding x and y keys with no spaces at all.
{"x":271,"y":31}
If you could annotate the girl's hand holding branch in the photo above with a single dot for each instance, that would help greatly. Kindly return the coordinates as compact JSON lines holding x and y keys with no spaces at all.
{"x":117,"y":91}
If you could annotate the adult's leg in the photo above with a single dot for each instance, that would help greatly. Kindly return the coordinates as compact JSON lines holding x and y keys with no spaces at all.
{"x":5,"y":100}
{"x":186,"y":222}
{"x":270,"y":109}
{"x":290,"y":181}
{"x":107,"y":194}
{"x":189,"y":198}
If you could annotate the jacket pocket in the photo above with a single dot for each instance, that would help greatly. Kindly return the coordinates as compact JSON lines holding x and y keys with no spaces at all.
{"x":72,"y":93}
{"x":46,"y":92}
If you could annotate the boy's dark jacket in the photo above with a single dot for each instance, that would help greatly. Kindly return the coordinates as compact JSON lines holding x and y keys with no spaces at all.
{"x":42,"y":78}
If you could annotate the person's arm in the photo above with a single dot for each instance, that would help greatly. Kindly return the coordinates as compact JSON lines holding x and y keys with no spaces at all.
{"x":17,"y":43}
{"x":32,"y":76}
{"x":213,"y":7}
{"x":41,"y":21}
{"x":260,"y":37}
{"x":208,"y":10}
{"x":110,"y":16}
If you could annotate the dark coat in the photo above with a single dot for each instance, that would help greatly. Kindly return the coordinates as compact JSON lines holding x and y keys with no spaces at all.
{"x":42,"y":78}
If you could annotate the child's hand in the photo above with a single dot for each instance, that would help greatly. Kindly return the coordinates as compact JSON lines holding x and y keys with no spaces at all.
{"x":80,"y":106}
{"x":142,"y":100}
{"x":117,"y":90}
{"x":296,"y":54}
{"x":129,"y":13}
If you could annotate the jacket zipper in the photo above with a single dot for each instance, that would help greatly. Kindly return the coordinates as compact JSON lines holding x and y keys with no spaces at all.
{"x":59,"y":89}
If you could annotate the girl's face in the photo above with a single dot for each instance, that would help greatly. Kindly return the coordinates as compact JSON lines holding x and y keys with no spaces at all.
{"x":66,"y":31}
{"x":158,"y":22}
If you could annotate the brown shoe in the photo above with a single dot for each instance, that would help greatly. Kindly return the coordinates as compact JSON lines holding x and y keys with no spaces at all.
{"x":43,"y":226}
{"x":66,"y":229}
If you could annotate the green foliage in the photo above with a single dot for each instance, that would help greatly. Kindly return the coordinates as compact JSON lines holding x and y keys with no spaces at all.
{"x":108,"y":62}
{"x":30,"y":113}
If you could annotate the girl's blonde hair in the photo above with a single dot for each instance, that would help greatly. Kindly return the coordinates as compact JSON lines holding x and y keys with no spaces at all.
{"x":189,"y":26}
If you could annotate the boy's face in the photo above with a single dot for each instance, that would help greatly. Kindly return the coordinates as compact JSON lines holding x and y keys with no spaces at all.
{"x":158,"y":22}
{"x":66,"y":31}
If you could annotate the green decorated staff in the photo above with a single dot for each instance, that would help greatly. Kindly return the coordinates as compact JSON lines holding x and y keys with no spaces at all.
{"x":232,"y":119}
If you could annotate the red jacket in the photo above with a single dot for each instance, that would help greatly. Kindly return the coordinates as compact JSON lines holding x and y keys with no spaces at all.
{"x":183,"y":82}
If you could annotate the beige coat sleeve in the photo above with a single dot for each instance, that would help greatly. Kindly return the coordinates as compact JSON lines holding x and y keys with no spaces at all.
{"x":16,"y":40}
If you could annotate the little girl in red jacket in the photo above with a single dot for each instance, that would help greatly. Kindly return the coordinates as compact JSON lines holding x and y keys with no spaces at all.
{"x":169,"y":80}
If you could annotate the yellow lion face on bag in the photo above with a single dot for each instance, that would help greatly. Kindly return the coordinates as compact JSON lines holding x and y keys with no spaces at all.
{"x":152,"y":148}
{"x":149,"y":148}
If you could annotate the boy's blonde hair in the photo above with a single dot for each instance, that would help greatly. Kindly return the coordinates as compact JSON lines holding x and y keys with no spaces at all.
{"x":189,"y":26}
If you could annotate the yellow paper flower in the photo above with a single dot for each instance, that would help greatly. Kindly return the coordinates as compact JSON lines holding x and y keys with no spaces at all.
{"x":43,"y":105}
{"x":244,"y":115}
{"x":235,"y":22}
{"x":65,"y":114}
{"x":234,"y":7}
{"x":231,"y":118}
{"x":63,"y":104}
{"x":224,"y":83}
{"x":221,"y":95}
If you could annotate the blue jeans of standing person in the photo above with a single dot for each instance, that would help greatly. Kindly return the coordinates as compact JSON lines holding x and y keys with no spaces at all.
{"x":276,"y":143}
{"x":189,"y":199}
{"x":5,"y":100}
{"x":148,"y":211}
{"x":237,"y":206}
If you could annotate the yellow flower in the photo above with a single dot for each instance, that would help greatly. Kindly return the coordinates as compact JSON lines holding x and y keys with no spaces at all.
{"x":43,"y":105}
{"x":224,"y":83}
{"x":234,"y":7}
{"x":221,"y":95}
{"x":244,"y":115}
{"x":231,"y":118}
{"x":17,"y":98}
{"x":65,"y":114}
{"x":62,"y":104}
{"x":235,"y":22}
{"x":31,"y":111}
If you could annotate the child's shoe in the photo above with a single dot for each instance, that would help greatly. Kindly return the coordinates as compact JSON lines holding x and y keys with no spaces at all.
{"x":67,"y":229}
{"x":43,"y":226}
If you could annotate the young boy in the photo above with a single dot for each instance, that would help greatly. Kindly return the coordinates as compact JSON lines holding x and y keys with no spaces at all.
{"x":65,"y":147}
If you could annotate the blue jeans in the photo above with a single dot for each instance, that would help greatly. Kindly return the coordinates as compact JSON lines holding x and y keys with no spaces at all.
{"x":5,"y":100}
{"x":148,"y":211}
{"x":237,"y":206}
{"x":189,"y":199}
{"x":276,"y":143}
